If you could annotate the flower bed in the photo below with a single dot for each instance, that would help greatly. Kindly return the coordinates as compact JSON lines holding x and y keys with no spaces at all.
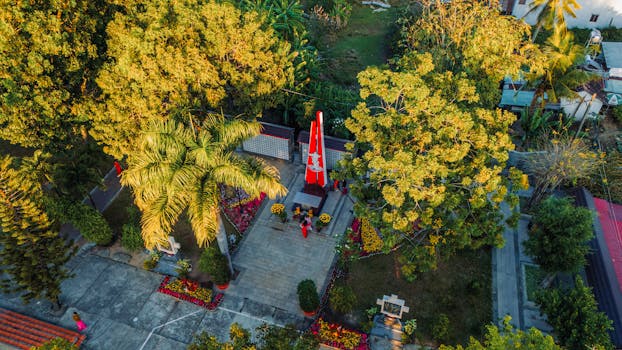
{"x":241,"y":213}
{"x":338,"y":337}
{"x":190,"y":291}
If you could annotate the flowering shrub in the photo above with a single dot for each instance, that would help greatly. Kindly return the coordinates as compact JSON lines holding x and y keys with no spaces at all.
{"x":371,"y":241}
{"x":338,"y":337}
{"x":324,"y":218}
{"x":241,"y":213}
{"x":277,"y":208}
{"x":190,"y":291}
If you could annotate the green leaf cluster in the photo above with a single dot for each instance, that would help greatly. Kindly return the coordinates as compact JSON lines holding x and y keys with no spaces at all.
{"x":214,"y":263}
{"x":56,"y":344}
{"x":509,"y":338}
{"x":575,"y":317}
{"x":559,"y":234}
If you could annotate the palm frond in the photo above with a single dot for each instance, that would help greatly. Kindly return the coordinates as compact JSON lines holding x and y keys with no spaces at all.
{"x":203,"y":212}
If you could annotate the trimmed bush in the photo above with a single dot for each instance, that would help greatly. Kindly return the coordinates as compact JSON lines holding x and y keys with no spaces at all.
{"x":214,"y":263}
{"x":131,"y":237}
{"x":307,"y":296}
{"x":91,"y":224}
{"x":342,"y":299}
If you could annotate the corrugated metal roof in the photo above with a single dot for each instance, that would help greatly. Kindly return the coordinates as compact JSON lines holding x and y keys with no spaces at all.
{"x":613,"y":54}
{"x":511,"y":97}
{"x":613,"y":85}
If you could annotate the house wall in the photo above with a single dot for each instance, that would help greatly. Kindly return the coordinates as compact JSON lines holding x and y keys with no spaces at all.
{"x":269,"y":146}
{"x":581,"y":106}
{"x":609,"y":13}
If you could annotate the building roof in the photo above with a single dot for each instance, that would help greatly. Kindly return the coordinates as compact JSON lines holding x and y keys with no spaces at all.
{"x":613,"y":54}
{"x":329,"y":142}
{"x":510,"y":97}
{"x":603,"y":262}
{"x":613,"y":85}
{"x":276,"y":130}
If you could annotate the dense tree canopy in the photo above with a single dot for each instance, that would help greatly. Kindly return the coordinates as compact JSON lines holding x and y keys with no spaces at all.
{"x":559,"y":235}
{"x":171,"y":57}
{"x":472,"y":37}
{"x":575,"y":318}
{"x":430,"y":168}
{"x":49,"y":51}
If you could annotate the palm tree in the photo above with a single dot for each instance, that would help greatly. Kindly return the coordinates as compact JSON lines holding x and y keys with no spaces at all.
{"x":178,"y":167}
{"x":560,"y":76}
{"x":551,"y":13}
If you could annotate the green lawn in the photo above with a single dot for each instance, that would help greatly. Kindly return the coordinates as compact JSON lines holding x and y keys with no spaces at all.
{"x":363,"y":42}
{"x":533,"y":278}
{"x":459,"y":288}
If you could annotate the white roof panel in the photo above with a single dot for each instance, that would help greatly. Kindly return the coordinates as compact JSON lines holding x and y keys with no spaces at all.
{"x":613,"y":54}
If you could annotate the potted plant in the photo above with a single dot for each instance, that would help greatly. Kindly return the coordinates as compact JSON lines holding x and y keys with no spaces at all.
{"x":278,"y":209}
{"x":152,"y":261}
{"x":183,"y":268}
{"x":308,"y":298}
{"x":322,"y":221}
{"x":214,"y":263}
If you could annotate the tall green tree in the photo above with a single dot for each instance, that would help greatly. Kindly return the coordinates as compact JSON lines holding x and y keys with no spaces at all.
{"x":474,"y":38}
{"x":49,"y":54}
{"x":551,"y":14}
{"x":33,"y":255}
{"x":559,"y":235}
{"x":575,"y":318}
{"x":168,"y":56}
{"x":178,"y":167}
{"x":429,"y":170}
{"x":509,"y":338}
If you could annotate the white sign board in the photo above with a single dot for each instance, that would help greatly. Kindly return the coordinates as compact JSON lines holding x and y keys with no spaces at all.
{"x":392,"y":306}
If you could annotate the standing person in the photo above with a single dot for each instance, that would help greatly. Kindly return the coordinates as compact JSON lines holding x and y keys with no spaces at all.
{"x":344,"y":188}
{"x":303,"y":227}
{"x":309,"y":223}
{"x":79,"y":323}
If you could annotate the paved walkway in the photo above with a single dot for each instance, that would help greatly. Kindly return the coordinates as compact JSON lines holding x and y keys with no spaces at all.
{"x":274,"y":257}
{"x":509,"y":296}
{"x":120,"y":304}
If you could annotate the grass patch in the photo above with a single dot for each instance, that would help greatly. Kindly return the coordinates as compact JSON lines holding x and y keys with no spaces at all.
{"x":459,"y":288}
{"x":363,"y":42}
{"x":533,"y":279}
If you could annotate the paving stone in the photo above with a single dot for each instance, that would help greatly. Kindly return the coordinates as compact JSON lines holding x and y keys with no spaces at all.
{"x":187,"y":318}
{"x":122,"y":257}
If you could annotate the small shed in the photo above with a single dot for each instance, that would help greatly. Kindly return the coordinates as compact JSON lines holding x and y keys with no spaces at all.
{"x":275,"y":141}
{"x":335,"y":148}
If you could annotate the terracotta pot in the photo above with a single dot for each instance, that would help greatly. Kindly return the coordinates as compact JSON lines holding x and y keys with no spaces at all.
{"x":310,"y":313}
{"x":222,"y":286}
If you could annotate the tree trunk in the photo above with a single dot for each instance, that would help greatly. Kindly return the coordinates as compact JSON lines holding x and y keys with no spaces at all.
{"x":56,"y":305}
{"x":223,"y":242}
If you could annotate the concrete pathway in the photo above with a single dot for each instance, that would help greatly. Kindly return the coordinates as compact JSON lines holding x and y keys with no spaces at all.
{"x":509,"y":295}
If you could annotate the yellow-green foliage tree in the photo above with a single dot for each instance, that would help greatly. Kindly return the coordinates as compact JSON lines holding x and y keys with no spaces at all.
{"x":509,"y":338}
{"x":49,"y":54}
{"x":430,"y":168}
{"x":33,"y":254}
{"x":472,"y":37}
{"x":170,"y":58}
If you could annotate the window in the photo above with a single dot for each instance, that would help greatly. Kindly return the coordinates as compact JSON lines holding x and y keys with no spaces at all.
{"x":593,"y":18}
{"x":522,"y":2}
